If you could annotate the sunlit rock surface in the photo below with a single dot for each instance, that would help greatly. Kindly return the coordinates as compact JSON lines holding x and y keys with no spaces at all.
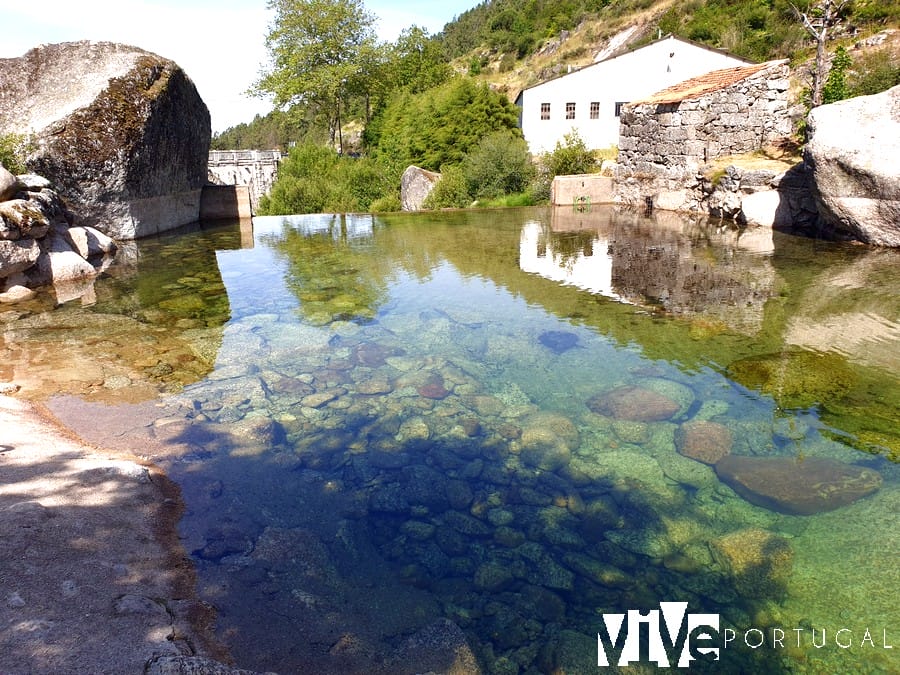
{"x":855,"y":165}
{"x":121,"y":132}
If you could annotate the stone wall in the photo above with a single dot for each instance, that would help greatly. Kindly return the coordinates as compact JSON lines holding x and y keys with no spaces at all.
{"x":666,"y":140}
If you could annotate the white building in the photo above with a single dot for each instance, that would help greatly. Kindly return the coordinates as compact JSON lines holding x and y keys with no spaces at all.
{"x":589,"y":99}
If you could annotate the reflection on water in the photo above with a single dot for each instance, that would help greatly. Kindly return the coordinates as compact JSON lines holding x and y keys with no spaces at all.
{"x":454,"y":442}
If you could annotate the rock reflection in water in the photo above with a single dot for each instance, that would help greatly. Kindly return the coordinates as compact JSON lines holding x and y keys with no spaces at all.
{"x":154,"y":325}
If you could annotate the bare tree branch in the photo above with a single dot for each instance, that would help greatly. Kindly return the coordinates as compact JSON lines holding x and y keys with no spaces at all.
{"x":817,"y":20}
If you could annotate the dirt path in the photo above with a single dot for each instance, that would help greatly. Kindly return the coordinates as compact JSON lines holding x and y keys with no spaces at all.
{"x":92,"y":577}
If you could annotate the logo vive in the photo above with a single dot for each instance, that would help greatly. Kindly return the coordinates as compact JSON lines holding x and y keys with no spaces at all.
{"x":680,"y":636}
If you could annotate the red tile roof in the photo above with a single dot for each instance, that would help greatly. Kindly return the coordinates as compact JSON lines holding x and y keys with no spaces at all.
{"x":705,"y":84}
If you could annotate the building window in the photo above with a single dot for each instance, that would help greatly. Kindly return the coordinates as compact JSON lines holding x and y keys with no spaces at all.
{"x":595,"y":110}
{"x":545,"y":111}
{"x":619,"y":105}
{"x":570,"y":111}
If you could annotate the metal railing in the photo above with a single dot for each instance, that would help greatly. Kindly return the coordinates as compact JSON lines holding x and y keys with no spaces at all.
{"x":239,"y":157}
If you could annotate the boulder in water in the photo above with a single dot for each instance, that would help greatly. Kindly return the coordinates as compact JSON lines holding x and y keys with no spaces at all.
{"x":797,"y":486}
{"x":705,"y":441}
{"x":635,"y":404}
{"x":122,"y":133}
{"x":558,"y":341}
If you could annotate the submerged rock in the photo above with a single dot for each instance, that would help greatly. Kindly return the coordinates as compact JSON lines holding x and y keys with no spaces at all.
{"x":558,"y":341}
{"x":547,"y":441}
{"x":434,"y":389}
{"x":758,"y":561}
{"x":635,"y":404}
{"x":797,"y":486}
{"x":707,"y":442}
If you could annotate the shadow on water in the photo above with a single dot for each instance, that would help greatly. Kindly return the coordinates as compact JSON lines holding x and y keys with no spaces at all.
{"x":337,"y":561}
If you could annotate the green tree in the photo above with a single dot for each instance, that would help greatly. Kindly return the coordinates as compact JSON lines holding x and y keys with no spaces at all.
{"x":316,"y":55}
{"x":836,"y":88}
{"x":418,"y":61}
{"x":439,"y":126}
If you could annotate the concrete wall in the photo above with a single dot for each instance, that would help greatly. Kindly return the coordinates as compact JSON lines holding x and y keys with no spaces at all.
{"x":624,"y":78}
{"x":581,"y":190}
{"x":257,"y":169}
{"x":225,"y":202}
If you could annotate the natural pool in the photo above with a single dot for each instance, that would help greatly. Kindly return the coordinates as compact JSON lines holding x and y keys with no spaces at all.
{"x":444,"y":442}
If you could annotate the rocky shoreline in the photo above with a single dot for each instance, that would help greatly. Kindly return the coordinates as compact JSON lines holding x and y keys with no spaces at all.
{"x":98,"y":581}
{"x":39,"y":246}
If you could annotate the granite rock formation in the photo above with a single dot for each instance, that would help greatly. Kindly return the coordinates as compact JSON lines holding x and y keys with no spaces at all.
{"x":415,"y":186}
{"x":852,"y":149}
{"x":38,"y":246}
{"x":121,"y":132}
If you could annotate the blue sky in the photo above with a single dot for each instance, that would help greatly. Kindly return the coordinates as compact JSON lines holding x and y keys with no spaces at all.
{"x":220,"y":43}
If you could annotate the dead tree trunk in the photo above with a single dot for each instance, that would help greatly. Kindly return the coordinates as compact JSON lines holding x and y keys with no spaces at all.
{"x":817,"y":20}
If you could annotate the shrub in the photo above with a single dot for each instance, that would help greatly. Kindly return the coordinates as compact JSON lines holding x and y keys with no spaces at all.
{"x":835,"y":88}
{"x":874,"y":73}
{"x":451,"y":191}
{"x":499,"y":165}
{"x":570,"y":156}
{"x":315,"y":179}
{"x":507,"y":63}
{"x":386,"y":204}
{"x":12,"y":152}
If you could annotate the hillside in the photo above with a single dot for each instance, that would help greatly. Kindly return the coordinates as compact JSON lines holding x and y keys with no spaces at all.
{"x":514,"y":44}
{"x":517,"y":43}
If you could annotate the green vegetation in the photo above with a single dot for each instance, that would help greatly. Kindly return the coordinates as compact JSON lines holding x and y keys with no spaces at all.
{"x":439,"y":126}
{"x":835,"y":88}
{"x":874,"y":73}
{"x":13,"y":149}
{"x":316,"y":179}
{"x":275,"y":131}
{"x":498,"y":170}
{"x":507,"y":26}
{"x":403,"y":104}
{"x":570,"y":156}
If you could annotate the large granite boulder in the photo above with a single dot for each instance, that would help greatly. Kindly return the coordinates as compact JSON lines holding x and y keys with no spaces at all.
{"x":853,"y":148}
{"x":9,"y":184}
{"x":415,"y":185}
{"x":795,"y":486}
{"x":120,"y":132}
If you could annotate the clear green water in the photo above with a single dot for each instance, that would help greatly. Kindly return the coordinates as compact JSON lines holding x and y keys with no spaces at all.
{"x":382,"y":423}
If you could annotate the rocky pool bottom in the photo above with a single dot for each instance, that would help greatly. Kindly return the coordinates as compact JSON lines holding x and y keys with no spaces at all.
{"x":430,"y":473}
{"x":387,"y":491}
